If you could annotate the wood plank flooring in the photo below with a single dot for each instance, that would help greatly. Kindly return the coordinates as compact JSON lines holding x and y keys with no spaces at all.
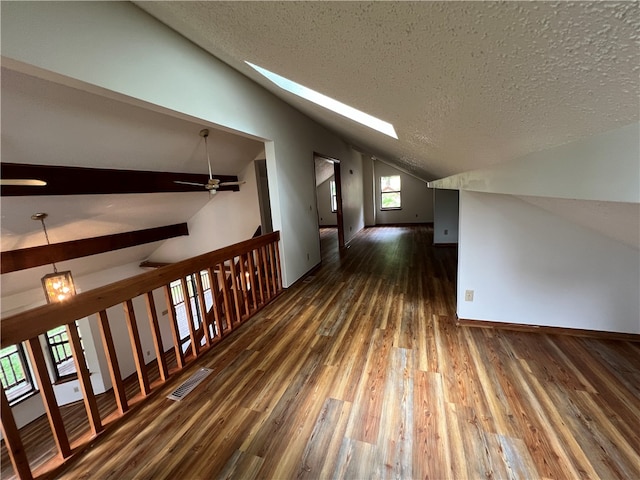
{"x":359,"y":371}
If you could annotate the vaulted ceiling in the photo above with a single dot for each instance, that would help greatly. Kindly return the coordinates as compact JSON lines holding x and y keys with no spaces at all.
{"x":466,"y":84}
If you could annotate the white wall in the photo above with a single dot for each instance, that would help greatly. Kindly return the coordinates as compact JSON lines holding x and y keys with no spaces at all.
{"x":529,"y":266}
{"x":117,"y":50}
{"x":603,"y":167}
{"x":326,"y":218}
{"x":368,"y":191}
{"x":352,"y":195}
{"x":445,"y":216}
{"x":416,"y":198}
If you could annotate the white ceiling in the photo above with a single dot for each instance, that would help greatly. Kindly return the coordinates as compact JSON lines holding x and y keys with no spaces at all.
{"x":52,"y":124}
{"x":466,"y":84}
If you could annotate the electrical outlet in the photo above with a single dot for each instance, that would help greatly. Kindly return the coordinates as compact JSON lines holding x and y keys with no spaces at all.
{"x":446,"y":232}
{"x":148,"y":353}
{"x":468,"y":295}
{"x":165,"y":312}
{"x":76,"y":389}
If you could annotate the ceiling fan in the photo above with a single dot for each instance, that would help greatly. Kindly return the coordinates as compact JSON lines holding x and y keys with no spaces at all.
{"x":214,"y":183}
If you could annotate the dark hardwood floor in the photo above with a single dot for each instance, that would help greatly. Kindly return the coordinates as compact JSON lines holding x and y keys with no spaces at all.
{"x":359,"y":371}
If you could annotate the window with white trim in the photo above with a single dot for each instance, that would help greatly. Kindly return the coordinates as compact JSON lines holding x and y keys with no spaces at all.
{"x":334,"y":196}
{"x":390,"y":188}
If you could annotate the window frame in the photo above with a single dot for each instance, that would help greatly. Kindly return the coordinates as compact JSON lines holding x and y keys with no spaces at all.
{"x":383,"y":192}
{"x":53,"y":347}
{"x":28,"y":377}
{"x":333,"y":193}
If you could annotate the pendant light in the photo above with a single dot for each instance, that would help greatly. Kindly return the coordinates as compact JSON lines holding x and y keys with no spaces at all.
{"x":58,"y":286}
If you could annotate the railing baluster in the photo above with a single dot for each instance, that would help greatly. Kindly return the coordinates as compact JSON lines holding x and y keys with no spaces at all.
{"x":278,"y":267}
{"x":215,"y":297}
{"x":157,"y":336}
{"x":90,"y":404}
{"x":265,"y":271}
{"x":112,"y":361}
{"x":252,"y":281}
{"x":11,"y":436}
{"x":195,"y":345}
{"x":222,"y":279}
{"x":203,"y":308}
{"x":136,"y":347}
{"x":258,"y":266}
{"x":243,"y":285}
{"x":171,"y":311}
{"x":235,"y":289}
{"x":48,"y":397}
{"x":274,"y":280}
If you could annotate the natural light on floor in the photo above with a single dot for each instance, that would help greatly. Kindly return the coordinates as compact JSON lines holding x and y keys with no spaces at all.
{"x":327,"y":102}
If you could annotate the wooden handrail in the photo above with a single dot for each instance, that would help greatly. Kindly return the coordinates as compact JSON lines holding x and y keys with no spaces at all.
{"x":22,"y":326}
{"x":253,"y":264}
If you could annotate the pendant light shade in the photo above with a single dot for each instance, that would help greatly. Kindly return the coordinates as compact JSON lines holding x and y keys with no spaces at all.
{"x":58,"y":286}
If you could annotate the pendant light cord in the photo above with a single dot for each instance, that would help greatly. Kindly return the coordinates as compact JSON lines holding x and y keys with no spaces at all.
{"x":46,"y":235}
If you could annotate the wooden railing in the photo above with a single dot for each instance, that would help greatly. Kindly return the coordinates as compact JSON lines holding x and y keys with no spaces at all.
{"x":243,"y":278}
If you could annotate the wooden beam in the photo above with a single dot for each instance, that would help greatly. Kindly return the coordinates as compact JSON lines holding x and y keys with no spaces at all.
{"x":24,"y":258}
{"x":100,"y":181}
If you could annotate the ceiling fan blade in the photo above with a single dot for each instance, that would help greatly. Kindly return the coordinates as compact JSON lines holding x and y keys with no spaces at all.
{"x":190,"y":183}
{"x":229,"y":184}
{"x":18,"y":182}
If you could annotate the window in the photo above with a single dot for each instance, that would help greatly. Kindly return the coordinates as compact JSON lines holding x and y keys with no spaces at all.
{"x":334,"y":198}
{"x":60,"y":352}
{"x":15,"y":374}
{"x":181,"y":306}
{"x":390,"y":193}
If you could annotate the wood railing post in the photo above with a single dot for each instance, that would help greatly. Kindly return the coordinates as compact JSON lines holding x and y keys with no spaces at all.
{"x":215,"y":295}
{"x":278,"y":266}
{"x":272,"y":264}
{"x":222,"y":280}
{"x":48,"y":397}
{"x":171,"y":310}
{"x":157,"y":336}
{"x":136,"y":347}
{"x":90,"y":404}
{"x":112,"y":361}
{"x":203,"y":308}
{"x":12,"y":440}
{"x":265,"y":271}
{"x":258,"y":266}
{"x":234,"y":288}
{"x":195,"y":345}
{"x":252,"y":280}
{"x":243,"y":286}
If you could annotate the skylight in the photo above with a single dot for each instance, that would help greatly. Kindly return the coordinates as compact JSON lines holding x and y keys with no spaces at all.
{"x":327,"y":102}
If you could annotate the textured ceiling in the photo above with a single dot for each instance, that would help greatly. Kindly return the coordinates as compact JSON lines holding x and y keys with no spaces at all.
{"x":466,"y":84}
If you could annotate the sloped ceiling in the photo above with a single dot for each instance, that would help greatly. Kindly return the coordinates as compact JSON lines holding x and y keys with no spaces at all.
{"x":52,"y":124}
{"x":466,"y":84}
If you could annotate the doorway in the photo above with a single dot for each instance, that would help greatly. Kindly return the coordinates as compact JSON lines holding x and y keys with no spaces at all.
{"x":329,"y":197}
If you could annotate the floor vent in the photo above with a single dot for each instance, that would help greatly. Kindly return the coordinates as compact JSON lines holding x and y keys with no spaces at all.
{"x":188,"y":385}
